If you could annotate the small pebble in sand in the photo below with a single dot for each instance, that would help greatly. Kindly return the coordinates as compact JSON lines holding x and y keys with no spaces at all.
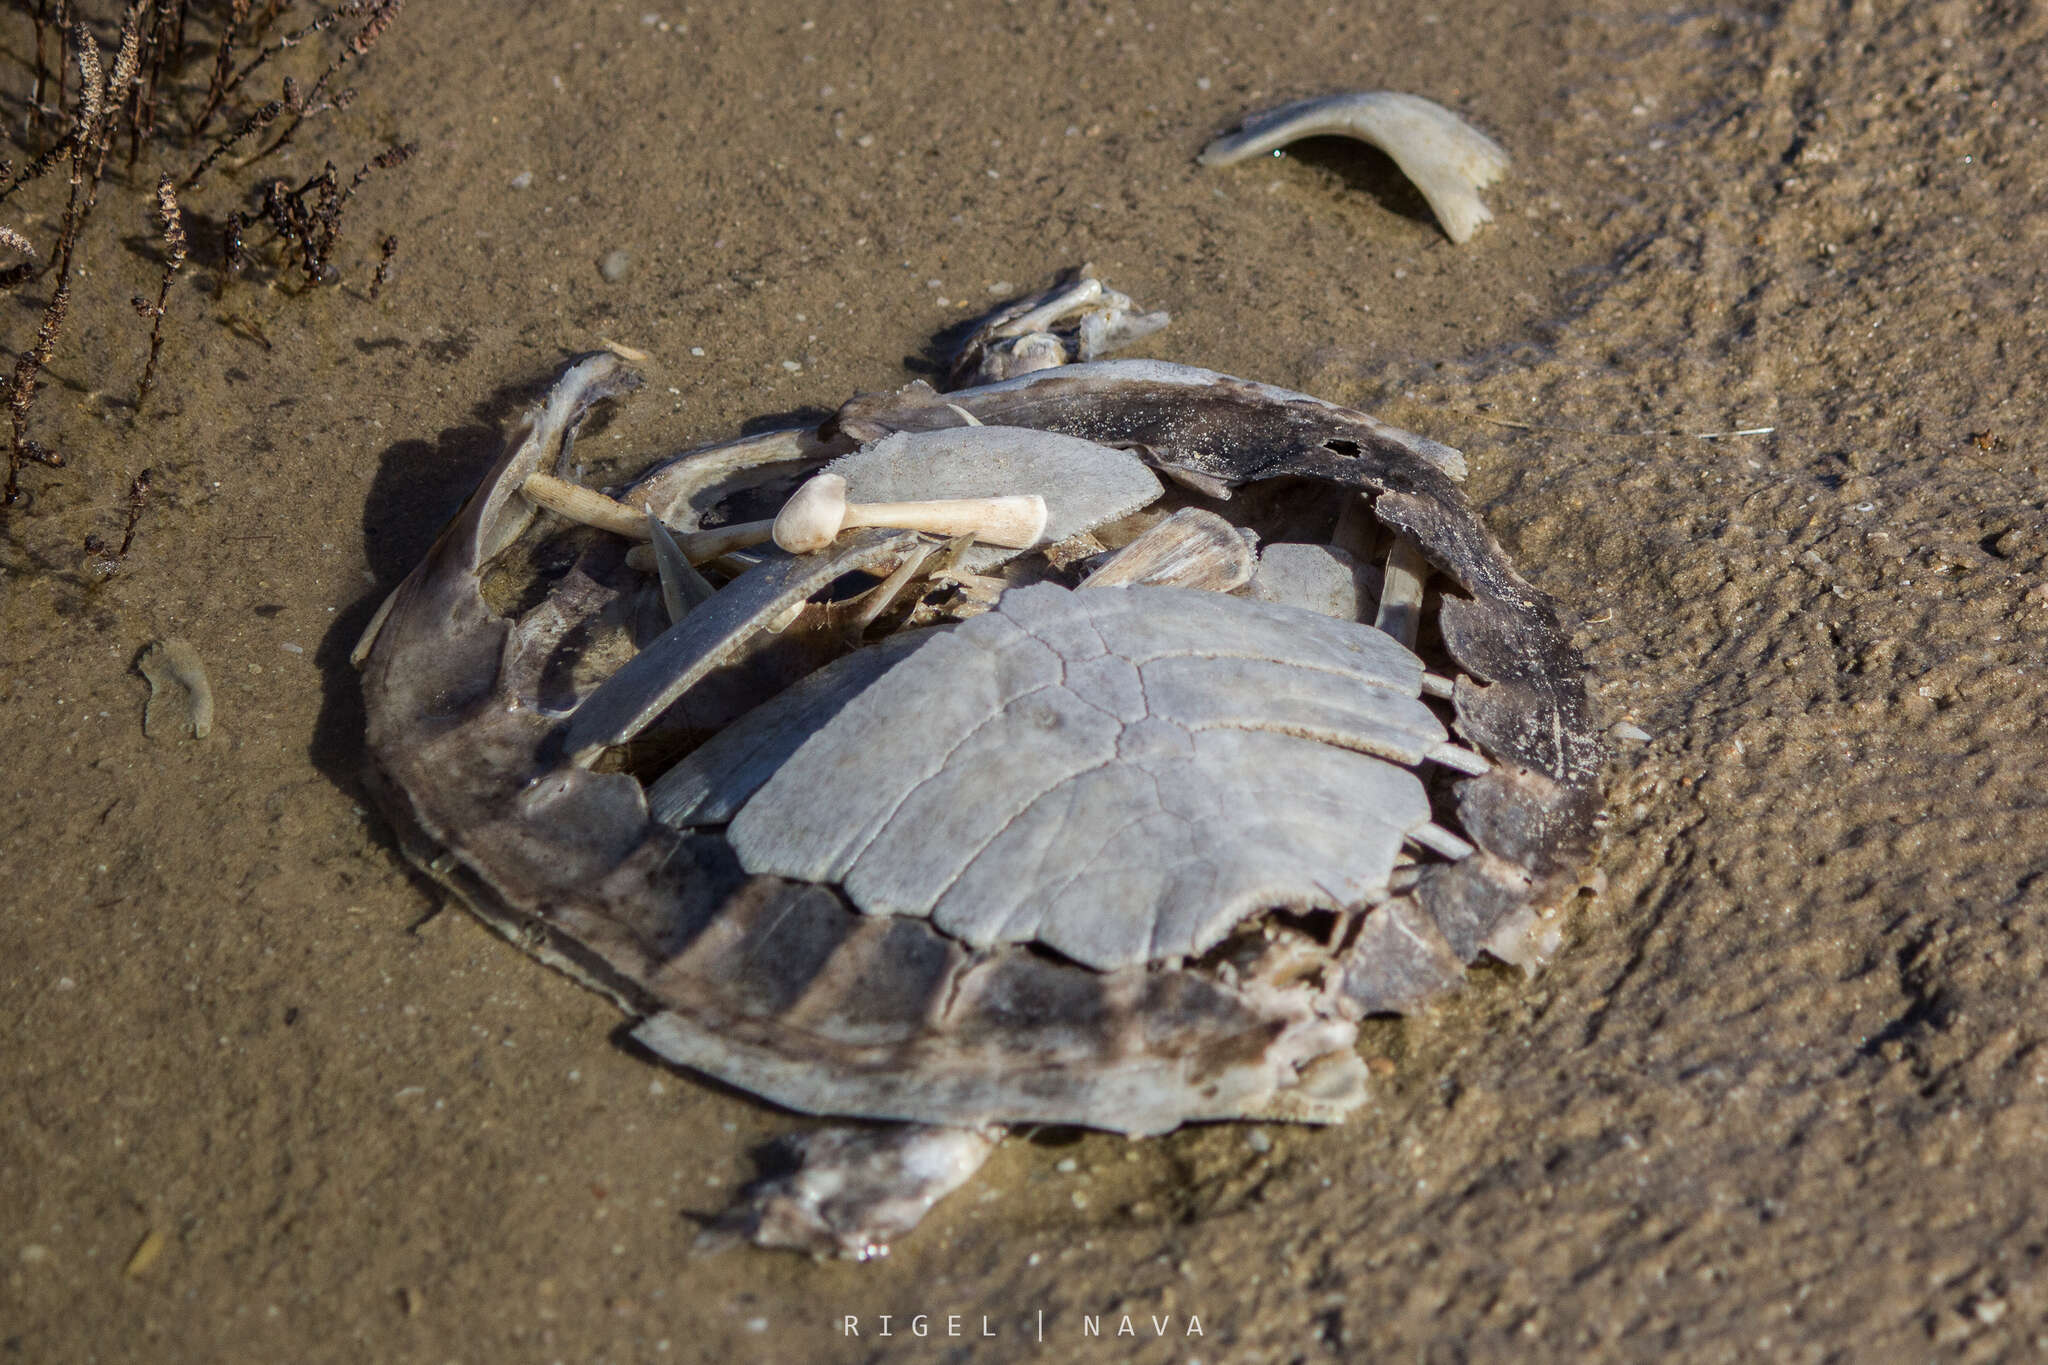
{"x":614,"y":264}
{"x":1257,"y":1140}
{"x":180,"y":697}
{"x":146,"y":1253}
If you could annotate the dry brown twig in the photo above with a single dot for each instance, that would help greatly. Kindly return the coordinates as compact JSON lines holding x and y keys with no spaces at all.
{"x":21,"y":390}
{"x":105,"y":560}
{"x":125,"y":88}
{"x":381,"y":15}
{"x":175,"y":250}
{"x":386,"y":251}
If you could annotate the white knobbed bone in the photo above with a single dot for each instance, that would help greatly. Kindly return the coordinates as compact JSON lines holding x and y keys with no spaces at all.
{"x":819,"y":511}
{"x":1084,"y":484}
{"x":1449,"y":160}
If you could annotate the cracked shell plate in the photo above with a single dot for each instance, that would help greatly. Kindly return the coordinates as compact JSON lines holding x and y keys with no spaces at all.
{"x":1118,"y":774}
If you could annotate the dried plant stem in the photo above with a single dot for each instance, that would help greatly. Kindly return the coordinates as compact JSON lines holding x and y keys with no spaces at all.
{"x":55,"y":153}
{"x":138,"y":498}
{"x":127,"y":72}
{"x":255,"y":123}
{"x":175,"y":247}
{"x":82,"y":100}
{"x":158,"y":46}
{"x":35,"y":104}
{"x":381,"y":15}
{"x":223,"y":60}
{"x":386,"y":251}
{"x":105,"y":560}
{"x":178,"y":29}
{"x":289,"y":40}
{"x":21,"y":392}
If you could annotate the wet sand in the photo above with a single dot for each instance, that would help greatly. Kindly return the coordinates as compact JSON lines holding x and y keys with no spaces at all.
{"x":1783,"y":1093}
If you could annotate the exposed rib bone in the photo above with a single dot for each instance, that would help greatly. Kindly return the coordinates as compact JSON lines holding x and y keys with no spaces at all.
{"x":856,"y":614}
{"x":1400,"y":613}
{"x":1437,"y":839}
{"x":1462,"y":759}
{"x":628,"y":701}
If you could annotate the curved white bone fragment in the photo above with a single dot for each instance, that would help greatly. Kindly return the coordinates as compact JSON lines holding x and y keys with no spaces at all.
{"x":1449,"y":160}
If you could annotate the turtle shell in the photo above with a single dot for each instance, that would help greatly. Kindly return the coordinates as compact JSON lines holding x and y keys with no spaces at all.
{"x":678,"y":814}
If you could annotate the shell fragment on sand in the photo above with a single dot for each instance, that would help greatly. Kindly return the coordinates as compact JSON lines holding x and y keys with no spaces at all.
{"x":853,"y":1190}
{"x":180,"y":696}
{"x":1448,"y":159}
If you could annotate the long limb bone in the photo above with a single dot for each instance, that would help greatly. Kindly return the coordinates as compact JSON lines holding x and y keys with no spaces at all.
{"x":593,"y":508}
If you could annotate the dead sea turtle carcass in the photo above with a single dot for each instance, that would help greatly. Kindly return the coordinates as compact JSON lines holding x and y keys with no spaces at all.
{"x":1124,"y":827}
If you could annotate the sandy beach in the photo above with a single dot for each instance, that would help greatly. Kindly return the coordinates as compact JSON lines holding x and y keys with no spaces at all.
{"x":1782,"y":1095}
